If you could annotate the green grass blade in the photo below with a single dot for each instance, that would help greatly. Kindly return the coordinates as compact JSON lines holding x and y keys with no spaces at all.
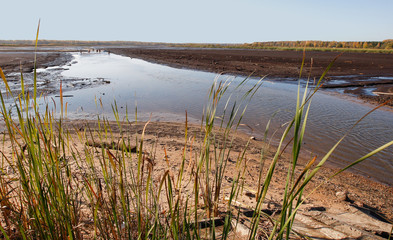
{"x":5,"y":82}
{"x":35,"y":66}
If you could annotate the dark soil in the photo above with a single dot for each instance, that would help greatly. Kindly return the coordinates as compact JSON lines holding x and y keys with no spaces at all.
{"x":14,"y":61}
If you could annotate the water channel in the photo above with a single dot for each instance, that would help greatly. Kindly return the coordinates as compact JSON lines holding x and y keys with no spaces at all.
{"x":166,"y":93}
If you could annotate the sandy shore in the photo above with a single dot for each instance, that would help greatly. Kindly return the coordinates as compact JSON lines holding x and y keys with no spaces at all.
{"x":357,"y":68}
{"x":347,"y":193}
{"x":348,"y":206}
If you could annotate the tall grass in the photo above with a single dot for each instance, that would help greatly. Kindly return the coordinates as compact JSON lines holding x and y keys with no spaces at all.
{"x":55,"y":190}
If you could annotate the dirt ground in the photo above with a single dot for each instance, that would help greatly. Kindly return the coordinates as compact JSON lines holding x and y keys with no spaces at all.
{"x":285,"y":64}
{"x":13,"y":61}
{"x":360,"y":67}
{"x":348,"y":206}
{"x":48,"y":82}
{"x":346,"y":193}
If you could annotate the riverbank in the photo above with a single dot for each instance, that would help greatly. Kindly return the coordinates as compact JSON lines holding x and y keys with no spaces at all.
{"x":368,"y":76}
{"x":354,"y":71}
{"x":12,"y":62}
{"x":347,"y":206}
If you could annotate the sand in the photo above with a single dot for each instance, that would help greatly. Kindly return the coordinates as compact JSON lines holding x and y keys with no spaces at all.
{"x":354,"y":205}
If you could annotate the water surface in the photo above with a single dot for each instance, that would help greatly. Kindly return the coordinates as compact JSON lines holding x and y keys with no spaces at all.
{"x":166,"y":93}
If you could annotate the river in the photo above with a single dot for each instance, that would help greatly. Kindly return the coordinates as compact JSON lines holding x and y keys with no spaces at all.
{"x":166,"y":93}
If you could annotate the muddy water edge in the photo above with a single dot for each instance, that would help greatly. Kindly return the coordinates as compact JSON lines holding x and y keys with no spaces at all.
{"x":167,"y":92}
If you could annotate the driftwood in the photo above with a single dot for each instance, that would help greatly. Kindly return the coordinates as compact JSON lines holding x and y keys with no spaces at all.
{"x":357,"y":84}
{"x":383,"y":93}
{"x":111,"y":145}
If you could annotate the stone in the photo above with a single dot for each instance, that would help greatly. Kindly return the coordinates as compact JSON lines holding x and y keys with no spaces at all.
{"x":342,"y":196}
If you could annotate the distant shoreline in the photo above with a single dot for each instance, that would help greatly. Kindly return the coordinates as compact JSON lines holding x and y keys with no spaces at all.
{"x":359,"y":69}
{"x":385,"y":46}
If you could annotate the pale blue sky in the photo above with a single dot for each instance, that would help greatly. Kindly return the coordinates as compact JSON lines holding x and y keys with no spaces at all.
{"x":211,"y":21}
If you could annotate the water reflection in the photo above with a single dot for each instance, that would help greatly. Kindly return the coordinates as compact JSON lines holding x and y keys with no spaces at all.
{"x":167,"y":92}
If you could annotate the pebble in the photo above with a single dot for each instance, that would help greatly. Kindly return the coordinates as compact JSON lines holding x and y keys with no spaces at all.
{"x":250,"y":194}
{"x":342,"y":196}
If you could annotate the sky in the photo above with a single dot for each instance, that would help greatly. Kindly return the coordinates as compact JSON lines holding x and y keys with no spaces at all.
{"x":202,"y":21}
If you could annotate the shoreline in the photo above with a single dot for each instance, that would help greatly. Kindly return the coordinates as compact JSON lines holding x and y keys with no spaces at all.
{"x":14,"y":62}
{"x":170,"y":135}
{"x":353,"y":68}
{"x":283,"y":64}
{"x":61,"y":58}
{"x":357,"y":68}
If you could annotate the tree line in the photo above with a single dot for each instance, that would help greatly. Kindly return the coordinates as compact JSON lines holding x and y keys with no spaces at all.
{"x":356,"y":45}
{"x":385,"y":44}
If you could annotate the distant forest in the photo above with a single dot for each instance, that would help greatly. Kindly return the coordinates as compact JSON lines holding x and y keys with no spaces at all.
{"x":386,"y":44}
{"x":356,"y":46}
{"x":372,"y":46}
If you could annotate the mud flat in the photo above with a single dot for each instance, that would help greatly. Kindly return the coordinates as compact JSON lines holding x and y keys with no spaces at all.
{"x":372,"y":70}
{"x":14,"y":61}
{"x":50,"y":64}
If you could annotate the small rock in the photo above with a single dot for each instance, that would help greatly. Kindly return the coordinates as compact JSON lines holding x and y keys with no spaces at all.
{"x":240,"y":228}
{"x":229,"y":179}
{"x":250,"y":194}
{"x":320,"y":209}
{"x":342,"y":196}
